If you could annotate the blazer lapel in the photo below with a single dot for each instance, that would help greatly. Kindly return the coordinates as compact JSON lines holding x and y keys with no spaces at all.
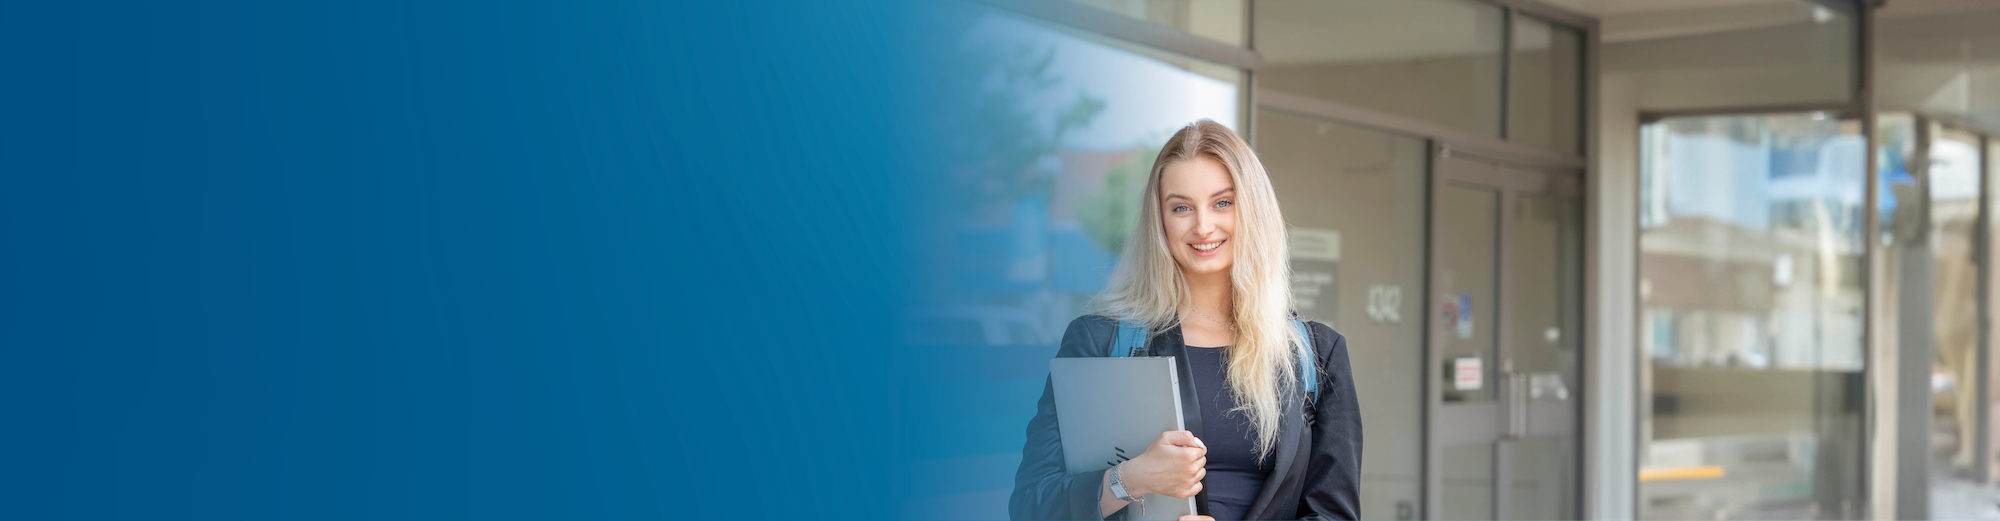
{"x":1172,"y":344}
{"x":1290,"y":430}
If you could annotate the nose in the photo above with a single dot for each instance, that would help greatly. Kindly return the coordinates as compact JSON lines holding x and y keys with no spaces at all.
{"x":1204,"y":223}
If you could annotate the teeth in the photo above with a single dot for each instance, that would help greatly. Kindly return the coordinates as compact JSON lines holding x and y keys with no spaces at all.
{"x":1208,"y":246}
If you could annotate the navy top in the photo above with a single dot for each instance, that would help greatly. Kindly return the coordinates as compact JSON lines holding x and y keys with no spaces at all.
{"x":1235,"y":475}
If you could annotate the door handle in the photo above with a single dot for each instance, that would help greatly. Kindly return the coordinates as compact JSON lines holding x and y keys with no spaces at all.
{"x":1517,"y":405}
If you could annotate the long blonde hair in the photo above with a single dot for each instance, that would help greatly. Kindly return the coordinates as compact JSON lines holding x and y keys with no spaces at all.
{"x":1148,"y":285}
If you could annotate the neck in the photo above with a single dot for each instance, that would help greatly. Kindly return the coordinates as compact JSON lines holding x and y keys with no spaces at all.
{"x":1211,"y":293}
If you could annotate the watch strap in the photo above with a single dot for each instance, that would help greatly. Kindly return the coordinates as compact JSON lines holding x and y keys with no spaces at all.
{"x":1118,"y":485}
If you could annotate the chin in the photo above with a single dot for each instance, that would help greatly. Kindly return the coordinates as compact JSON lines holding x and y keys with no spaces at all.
{"x":1205,"y":266}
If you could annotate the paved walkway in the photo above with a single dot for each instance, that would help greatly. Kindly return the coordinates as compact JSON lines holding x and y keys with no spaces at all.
{"x":1956,"y":498}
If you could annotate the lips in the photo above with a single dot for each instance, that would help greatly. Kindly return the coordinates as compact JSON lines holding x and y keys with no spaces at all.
{"x":1207,"y":248}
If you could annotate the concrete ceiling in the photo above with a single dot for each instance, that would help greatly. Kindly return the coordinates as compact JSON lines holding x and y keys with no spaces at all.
{"x":1310,"y":31}
{"x":1313,"y":31}
{"x":1604,"y":8}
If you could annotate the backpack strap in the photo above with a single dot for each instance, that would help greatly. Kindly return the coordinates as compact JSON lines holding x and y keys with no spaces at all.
{"x":1131,"y":340}
{"x":1308,"y":372}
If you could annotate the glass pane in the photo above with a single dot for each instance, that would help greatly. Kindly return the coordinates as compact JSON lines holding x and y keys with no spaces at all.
{"x":1545,"y":86}
{"x":1468,"y":483}
{"x":1954,"y":209}
{"x":1906,"y":290}
{"x":1355,"y":199}
{"x":1219,"y":20}
{"x":1544,"y":303}
{"x":1057,"y":131}
{"x":1728,"y":54}
{"x":1992,"y":399}
{"x":1468,"y":267}
{"x":1542,"y":481}
{"x":1435,"y":60}
{"x":1545,"y":315}
{"x":1751,"y":242}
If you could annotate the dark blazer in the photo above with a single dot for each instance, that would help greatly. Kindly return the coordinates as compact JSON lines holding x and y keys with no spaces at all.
{"x":1317,"y":471}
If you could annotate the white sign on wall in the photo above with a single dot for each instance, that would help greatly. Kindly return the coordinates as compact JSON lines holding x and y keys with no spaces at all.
{"x":1467,"y":374}
{"x":1315,"y":268}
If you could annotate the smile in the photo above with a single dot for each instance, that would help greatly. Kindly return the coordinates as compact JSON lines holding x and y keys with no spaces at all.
{"x":1207,"y":248}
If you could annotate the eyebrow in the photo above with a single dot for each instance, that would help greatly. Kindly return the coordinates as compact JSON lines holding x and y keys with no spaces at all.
{"x":1217,"y":192}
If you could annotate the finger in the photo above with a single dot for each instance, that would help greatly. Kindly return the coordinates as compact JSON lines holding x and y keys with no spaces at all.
{"x":1200,"y":475}
{"x":1199,"y":463}
{"x":1197,"y":451}
{"x":1177,"y":438}
{"x":1192,"y":517}
{"x":1196,"y":489}
{"x":1196,"y":442}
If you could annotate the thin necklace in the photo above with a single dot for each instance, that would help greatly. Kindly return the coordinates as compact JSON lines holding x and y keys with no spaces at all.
{"x":1232,"y":327}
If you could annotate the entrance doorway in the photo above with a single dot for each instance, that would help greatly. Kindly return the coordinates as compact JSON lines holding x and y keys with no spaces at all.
{"x":1505,"y":339}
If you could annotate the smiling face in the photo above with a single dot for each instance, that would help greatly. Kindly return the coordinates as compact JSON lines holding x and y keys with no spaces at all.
{"x":1198,"y":212}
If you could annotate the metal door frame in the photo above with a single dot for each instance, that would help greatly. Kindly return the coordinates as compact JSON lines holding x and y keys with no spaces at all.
{"x":1504,"y":420}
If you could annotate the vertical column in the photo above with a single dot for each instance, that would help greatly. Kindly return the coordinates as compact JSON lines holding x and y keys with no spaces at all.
{"x":1881,"y":365}
{"x":1982,"y":438}
{"x":1610,"y":396}
{"x":1915,"y":340}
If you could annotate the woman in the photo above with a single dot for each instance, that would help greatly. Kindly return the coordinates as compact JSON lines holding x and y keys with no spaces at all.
{"x":1207,"y":271}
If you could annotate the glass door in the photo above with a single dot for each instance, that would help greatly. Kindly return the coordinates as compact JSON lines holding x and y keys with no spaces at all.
{"x":1504,"y":328}
{"x":1355,"y":201}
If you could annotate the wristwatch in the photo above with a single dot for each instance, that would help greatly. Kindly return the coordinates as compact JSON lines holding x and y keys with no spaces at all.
{"x":1118,"y":485}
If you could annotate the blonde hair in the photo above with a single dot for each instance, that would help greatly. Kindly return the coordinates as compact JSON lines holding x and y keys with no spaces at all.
{"x":1148,"y":286}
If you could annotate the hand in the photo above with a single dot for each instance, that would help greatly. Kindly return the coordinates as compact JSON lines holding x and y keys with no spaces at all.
{"x":1173,"y":465}
{"x":1192,"y":517}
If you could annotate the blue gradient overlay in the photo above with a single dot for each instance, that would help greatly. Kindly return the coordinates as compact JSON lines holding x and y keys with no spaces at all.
{"x":471,"y":260}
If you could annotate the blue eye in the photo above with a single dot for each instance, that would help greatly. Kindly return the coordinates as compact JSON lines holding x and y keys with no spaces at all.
{"x":1223,"y":204}
{"x":1181,"y":208}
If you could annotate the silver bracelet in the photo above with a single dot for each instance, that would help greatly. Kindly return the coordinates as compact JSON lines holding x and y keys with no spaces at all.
{"x":1119,"y":470}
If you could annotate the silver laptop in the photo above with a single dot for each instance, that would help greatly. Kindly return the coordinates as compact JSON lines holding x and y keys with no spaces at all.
{"x":1111,"y":409}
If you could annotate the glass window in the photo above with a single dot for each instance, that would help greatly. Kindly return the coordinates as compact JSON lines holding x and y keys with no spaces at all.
{"x":1545,"y":86}
{"x":1219,"y":20}
{"x":1752,"y":300}
{"x":1953,"y":177}
{"x":1735,"y":54}
{"x":1054,"y":132}
{"x":1992,"y":399}
{"x":1435,"y":60}
{"x":1355,"y":199}
{"x":1954,"y":211}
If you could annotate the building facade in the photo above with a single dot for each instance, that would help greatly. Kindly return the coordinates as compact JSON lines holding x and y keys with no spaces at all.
{"x":1599,"y":259}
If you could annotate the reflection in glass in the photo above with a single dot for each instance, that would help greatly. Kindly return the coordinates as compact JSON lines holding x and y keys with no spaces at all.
{"x":1905,"y":273}
{"x":1355,"y":200}
{"x":1953,"y":174}
{"x":1056,"y":131}
{"x":1435,"y":60}
{"x":1545,"y":86}
{"x":1751,"y":295}
{"x":1991,"y":173}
